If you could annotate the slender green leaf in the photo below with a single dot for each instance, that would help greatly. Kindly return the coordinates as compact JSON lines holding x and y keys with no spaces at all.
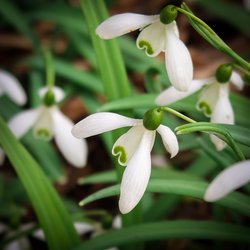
{"x":52,"y":215}
{"x":66,"y":70}
{"x":110,"y":176}
{"x":111,"y":64}
{"x":182,"y":229}
{"x":195,"y":189}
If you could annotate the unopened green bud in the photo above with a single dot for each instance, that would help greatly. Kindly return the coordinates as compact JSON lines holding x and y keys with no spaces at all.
{"x":168,"y":14}
{"x":223,"y":73}
{"x":49,"y":98}
{"x":152,"y":119}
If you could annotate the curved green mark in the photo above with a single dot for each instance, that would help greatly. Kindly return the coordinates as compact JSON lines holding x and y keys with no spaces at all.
{"x":205,"y":108}
{"x":120,"y":151}
{"x":147,"y":46}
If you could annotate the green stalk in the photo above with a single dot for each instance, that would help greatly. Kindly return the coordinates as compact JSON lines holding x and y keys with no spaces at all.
{"x":207,"y":33}
{"x":113,"y":74}
{"x":49,"y":68}
{"x":178,"y":114}
{"x":111,"y":65}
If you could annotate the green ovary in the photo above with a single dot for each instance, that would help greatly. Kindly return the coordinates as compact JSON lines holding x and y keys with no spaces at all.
{"x":147,"y":46}
{"x":205,"y":108}
{"x":119,"y":150}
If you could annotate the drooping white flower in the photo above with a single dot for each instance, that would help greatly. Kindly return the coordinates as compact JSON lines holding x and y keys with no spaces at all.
{"x":132,"y":148}
{"x":48,"y":122}
{"x":154,"y":37}
{"x":10,"y":86}
{"x":213,"y":100}
{"x":228,"y":180}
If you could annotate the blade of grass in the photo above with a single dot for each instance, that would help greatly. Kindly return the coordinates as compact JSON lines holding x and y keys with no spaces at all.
{"x":51,"y":213}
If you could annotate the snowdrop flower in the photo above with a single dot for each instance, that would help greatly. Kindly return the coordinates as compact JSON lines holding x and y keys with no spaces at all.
{"x":228,"y":180}
{"x":10,"y":86}
{"x":158,"y":33}
{"x":213,"y":101}
{"x":132,"y":148}
{"x":48,"y":121}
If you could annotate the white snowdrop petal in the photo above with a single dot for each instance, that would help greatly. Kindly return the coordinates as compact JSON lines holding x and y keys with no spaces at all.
{"x":23,"y":121}
{"x":228,"y":180}
{"x":152,"y":39}
{"x":58,"y":92}
{"x":74,"y":150}
{"x":208,"y":98}
{"x":127,"y":144}
{"x":101,"y":122}
{"x":222,"y":113}
{"x":121,"y":24}
{"x":171,"y":94}
{"x":1,"y":157}
{"x":83,"y":228}
{"x":236,"y":80}
{"x":43,"y":128}
{"x":136,"y":175}
{"x":178,"y":61}
{"x":169,"y":140}
{"x":12,"y":87}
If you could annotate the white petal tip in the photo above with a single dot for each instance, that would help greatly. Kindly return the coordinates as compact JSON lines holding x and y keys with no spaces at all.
{"x":125,"y":207}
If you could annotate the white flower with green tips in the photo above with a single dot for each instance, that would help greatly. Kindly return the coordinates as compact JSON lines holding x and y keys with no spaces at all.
{"x":228,"y":180}
{"x":213,"y":100}
{"x":132,"y":148}
{"x":11,"y":87}
{"x":47,"y":121}
{"x":155,"y":37}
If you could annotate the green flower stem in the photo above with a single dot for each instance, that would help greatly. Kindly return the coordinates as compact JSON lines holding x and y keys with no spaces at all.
{"x":49,"y":68}
{"x":204,"y":30}
{"x":178,"y":114}
{"x":236,"y":66}
{"x":196,"y":19}
{"x":206,"y":127}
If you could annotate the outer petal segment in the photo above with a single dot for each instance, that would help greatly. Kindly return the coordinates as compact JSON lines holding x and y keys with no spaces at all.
{"x":171,"y":94}
{"x":228,"y":180}
{"x":121,"y":24}
{"x":169,"y":140}
{"x":136,"y":175}
{"x":101,"y":122}
{"x":12,"y":87}
{"x":178,"y":61}
{"x":23,"y":121}
{"x":74,"y":150}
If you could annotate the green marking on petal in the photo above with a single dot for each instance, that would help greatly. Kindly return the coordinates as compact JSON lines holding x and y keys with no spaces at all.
{"x":205,"y":108}
{"x":43,"y":134}
{"x":120,"y":151}
{"x":147,"y":46}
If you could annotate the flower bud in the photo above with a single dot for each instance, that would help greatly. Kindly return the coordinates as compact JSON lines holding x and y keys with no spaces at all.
{"x":49,"y":98}
{"x":223,"y":73}
{"x":152,"y":119}
{"x":168,"y":14}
